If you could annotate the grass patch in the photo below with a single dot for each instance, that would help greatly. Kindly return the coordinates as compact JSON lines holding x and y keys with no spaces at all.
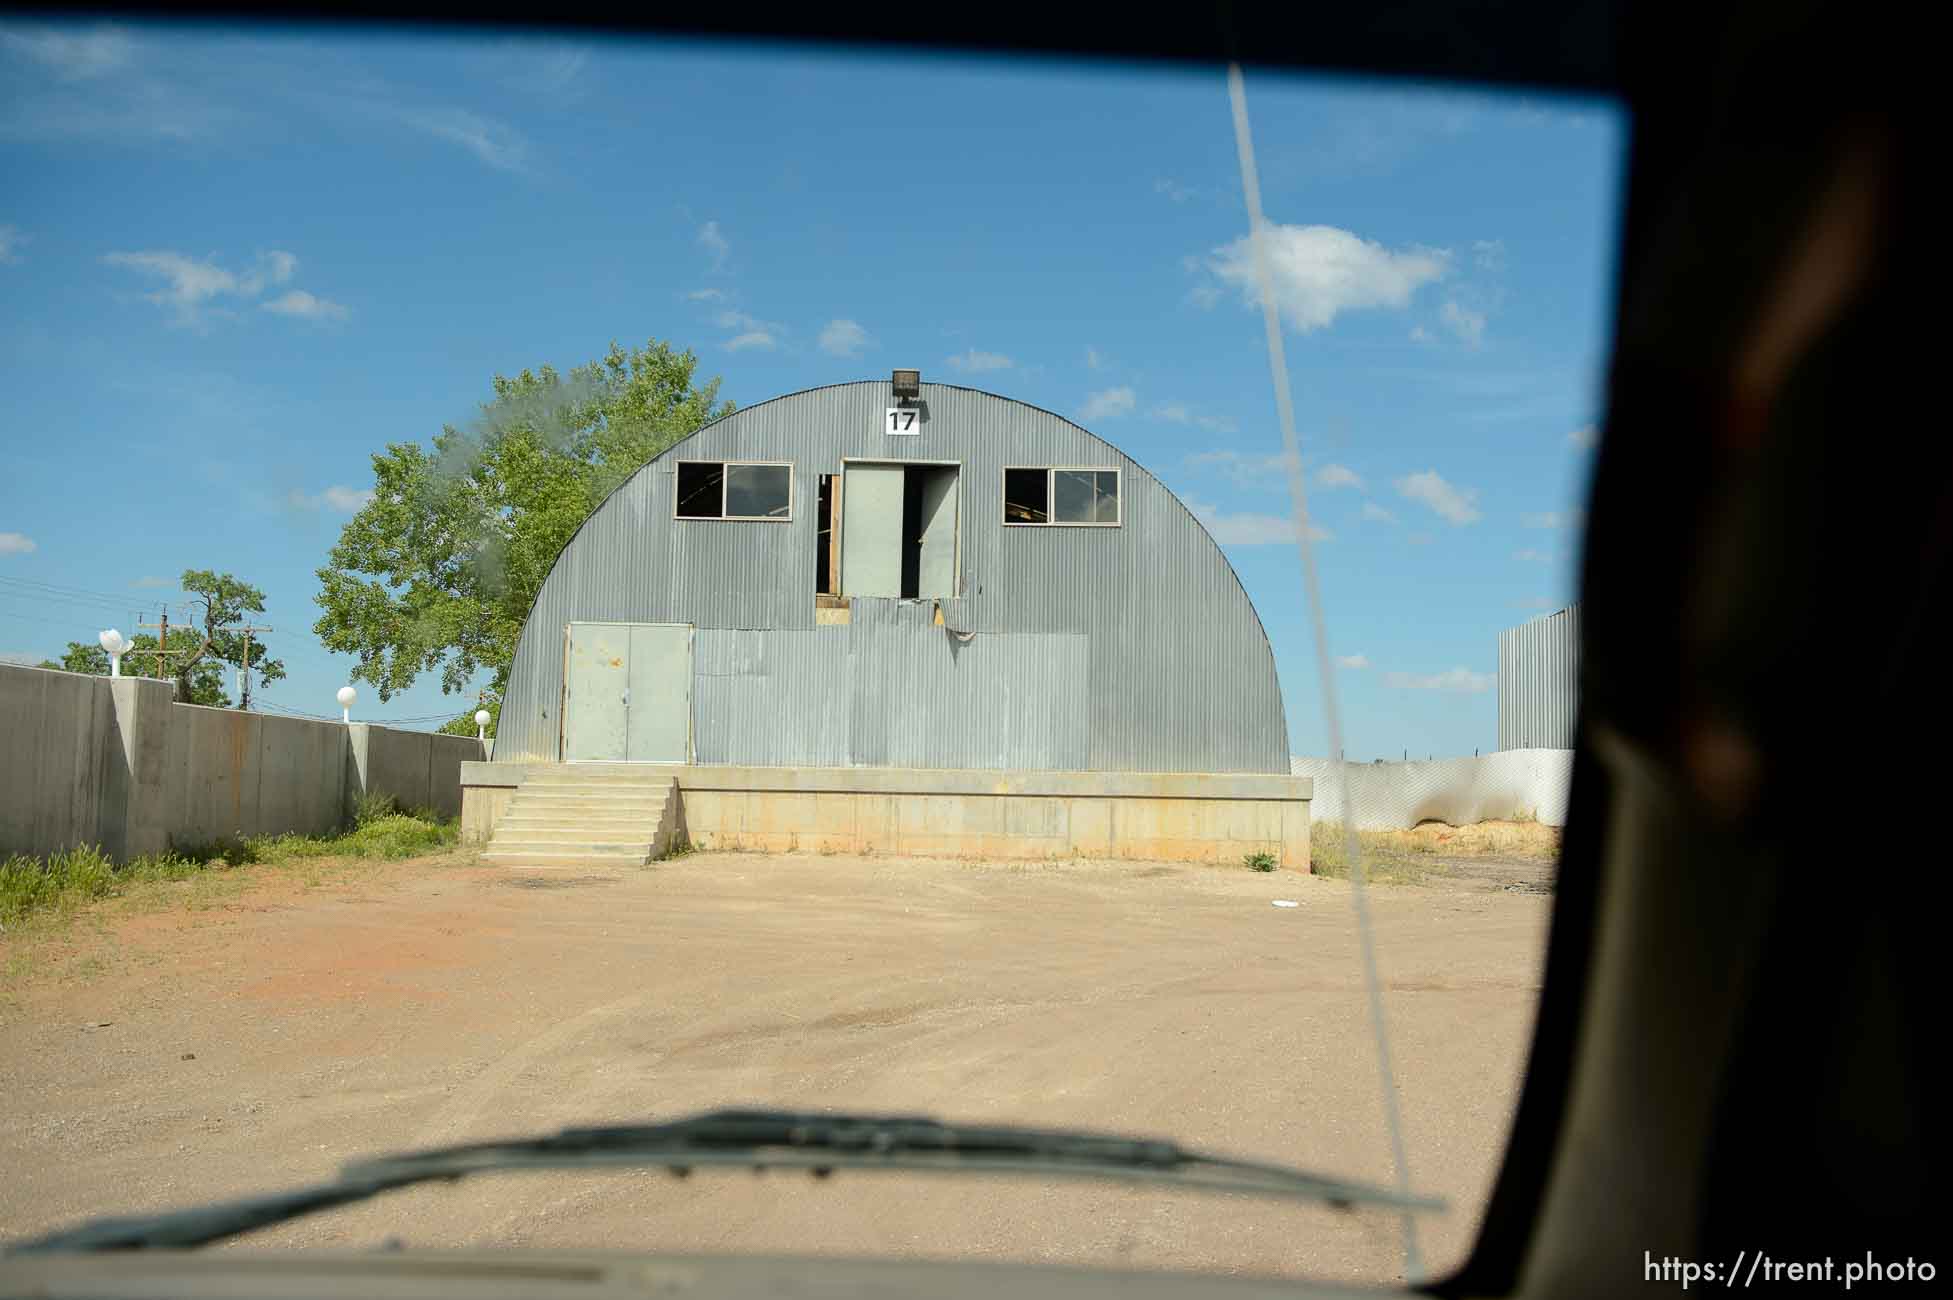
{"x":63,"y":883}
{"x":1385,"y":862}
{"x":1407,"y":857}
{"x":1259,"y":862}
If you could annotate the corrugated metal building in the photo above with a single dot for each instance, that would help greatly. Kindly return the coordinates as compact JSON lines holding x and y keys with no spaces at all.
{"x":990,"y":586}
{"x":1539,"y":682}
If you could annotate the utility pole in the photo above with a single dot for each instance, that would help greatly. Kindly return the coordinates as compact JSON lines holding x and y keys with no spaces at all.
{"x":162,"y":640}
{"x":244,"y":691}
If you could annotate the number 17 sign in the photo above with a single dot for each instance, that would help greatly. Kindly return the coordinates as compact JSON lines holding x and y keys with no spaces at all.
{"x":902,"y":420}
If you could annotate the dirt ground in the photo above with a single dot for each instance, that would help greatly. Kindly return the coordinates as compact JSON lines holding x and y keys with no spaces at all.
{"x":160,"y":1059}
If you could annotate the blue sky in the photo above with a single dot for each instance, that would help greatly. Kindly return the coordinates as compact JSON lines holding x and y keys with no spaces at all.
{"x":234,"y":264}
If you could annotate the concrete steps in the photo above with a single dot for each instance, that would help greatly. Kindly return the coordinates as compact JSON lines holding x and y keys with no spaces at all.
{"x":573,"y":817}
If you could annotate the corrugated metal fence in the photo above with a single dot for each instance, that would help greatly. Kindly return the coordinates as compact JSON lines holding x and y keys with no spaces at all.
{"x":1539,"y":682}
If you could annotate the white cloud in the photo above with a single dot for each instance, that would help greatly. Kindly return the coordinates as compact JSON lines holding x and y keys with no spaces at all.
{"x":1489,"y":254}
{"x":1555,"y":519}
{"x":70,"y":55}
{"x":1456,"y":504}
{"x":843,"y":338}
{"x":16,"y":544}
{"x":1454,"y":679}
{"x":1371,"y":510}
{"x":707,"y":295}
{"x":714,"y":243}
{"x":975,"y":360}
{"x":1532,"y":556}
{"x":1092,"y":359}
{"x":1419,"y":334}
{"x":10,"y":239}
{"x":1175,"y":190}
{"x":71,"y":82}
{"x":302,"y":304}
{"x":1246,"y":471}
{"x":1467,"y":324}
{"x":1338,"y":476}
{"x":1108,"y":404}
{"x":1251,"y":529}
{"x":1204,"y":296}
{"x":153,"y":583}
{"x":1352,"y":661}
{"x":752,"y":339}
{"x":495,"y":143}
{"x":193,"y":285}
{"x":344,"y":500}
{"x":1319,"y":272}
{"x":552,"y":71}
{"x":275,"y":267}
{"x":1181,"y":413}
{"x":1584,"y":437}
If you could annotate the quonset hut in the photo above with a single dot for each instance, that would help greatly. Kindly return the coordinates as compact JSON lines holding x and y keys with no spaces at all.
{"x":870,"y":579}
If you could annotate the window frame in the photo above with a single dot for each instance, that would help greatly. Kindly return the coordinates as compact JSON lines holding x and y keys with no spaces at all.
{"x":722,"y":517}
{"x":1051,"y":495}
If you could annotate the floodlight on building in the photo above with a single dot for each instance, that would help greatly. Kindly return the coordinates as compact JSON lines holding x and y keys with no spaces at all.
{"x":481,"y":724}
{"x":908,"y":385}
{"x":346,"y":696}
{"x":117,"y":645}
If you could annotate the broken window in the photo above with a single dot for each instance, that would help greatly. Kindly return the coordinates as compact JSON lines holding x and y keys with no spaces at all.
{"x":1061,"y":496}
{"x":1027,"y":496}
{"x":710,"y":489}
{"x":827,"y":534}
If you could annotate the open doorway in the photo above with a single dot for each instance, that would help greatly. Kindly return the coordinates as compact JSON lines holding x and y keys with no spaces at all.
{"x":898,"y":532}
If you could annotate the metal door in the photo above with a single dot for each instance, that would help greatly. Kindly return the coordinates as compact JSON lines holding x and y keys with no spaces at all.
{"x":658,"y":726}
{"x":871,"y":531}
{"x":937,"y":566}
{"x":596,"y":692}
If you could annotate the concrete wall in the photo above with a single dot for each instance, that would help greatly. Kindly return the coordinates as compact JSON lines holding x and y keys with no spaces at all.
{"x":1458,"y":791}
{"x":420,"y":769}
{"x":236,"y":773}
{"x":54,"y":756}
{"x":1175,"y":817}
{"x":118,"y":764}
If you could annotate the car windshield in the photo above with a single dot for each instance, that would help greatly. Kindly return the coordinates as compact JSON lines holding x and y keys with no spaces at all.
{"x":552,"y":580}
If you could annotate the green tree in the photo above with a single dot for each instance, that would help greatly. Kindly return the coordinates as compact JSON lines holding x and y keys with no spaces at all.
{"x":439,"y":570}
{"x":464,"y":725}
{"x":198,"y":656}
{"x":206,"y":679}
{"x":226,"y":604}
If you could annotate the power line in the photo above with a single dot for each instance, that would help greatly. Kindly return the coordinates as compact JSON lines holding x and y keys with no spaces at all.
{"x":70,"y":623}
{"x":63,"y":589}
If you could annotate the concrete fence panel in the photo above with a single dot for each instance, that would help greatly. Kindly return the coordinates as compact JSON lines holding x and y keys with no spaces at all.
{"x":301,"y":776}
{"x":445,"y":756}
{"x":53,"y":758}
{"x":213,"y":773}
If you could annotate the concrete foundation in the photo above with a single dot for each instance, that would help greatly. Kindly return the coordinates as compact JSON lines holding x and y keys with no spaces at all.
{"x":1174,"y":817}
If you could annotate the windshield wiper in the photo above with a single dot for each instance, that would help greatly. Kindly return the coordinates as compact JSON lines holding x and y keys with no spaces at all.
{"x":755,"y":1139}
